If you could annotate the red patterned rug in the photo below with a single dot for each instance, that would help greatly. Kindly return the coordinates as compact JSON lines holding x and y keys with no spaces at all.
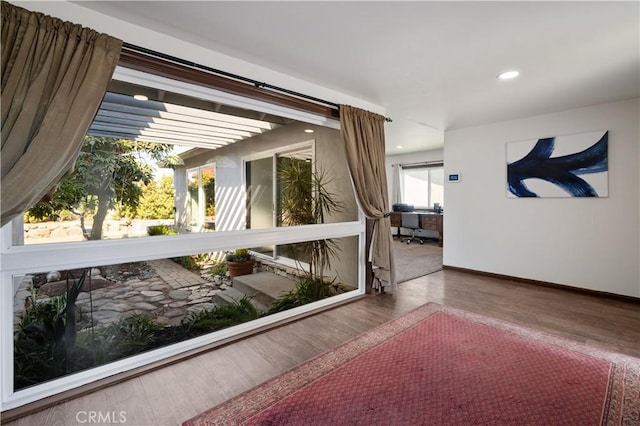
{"x":441,"y":366}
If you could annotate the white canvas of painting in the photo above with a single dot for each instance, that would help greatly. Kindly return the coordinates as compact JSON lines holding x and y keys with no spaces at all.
{"x":561,"y":166}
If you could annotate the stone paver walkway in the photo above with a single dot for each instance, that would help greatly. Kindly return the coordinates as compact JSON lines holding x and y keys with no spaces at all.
{"x":174,"y":274}
{"x":168,"y":296}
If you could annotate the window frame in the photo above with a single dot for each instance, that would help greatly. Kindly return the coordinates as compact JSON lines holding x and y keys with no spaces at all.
{"x":22,"y":259}
{"x":273,"y":154}
{"x":202,"y":202}
{"x":423,"y":166}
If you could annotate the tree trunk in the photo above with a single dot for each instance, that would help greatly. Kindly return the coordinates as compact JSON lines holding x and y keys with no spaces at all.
{"x":101,"y":214}
{"x":82,"y":225}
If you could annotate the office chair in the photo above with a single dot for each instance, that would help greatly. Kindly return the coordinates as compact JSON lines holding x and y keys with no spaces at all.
{"x":411,"y":221}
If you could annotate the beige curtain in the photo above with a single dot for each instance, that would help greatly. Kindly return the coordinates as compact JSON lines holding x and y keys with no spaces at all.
{"x":396,"y":190}
{"x":363,"y":134}
{"x":54,"y":75}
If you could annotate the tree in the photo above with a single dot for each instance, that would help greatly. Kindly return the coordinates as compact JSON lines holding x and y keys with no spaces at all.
{"x":108,"y":171}
{"x":157,"y":200}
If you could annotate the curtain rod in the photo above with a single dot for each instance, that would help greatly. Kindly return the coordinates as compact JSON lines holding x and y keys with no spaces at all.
{"x":256,"y":83}
{"x":422,"y":163}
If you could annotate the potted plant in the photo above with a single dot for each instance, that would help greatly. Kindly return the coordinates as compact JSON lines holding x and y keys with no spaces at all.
{"x":240,"y":262}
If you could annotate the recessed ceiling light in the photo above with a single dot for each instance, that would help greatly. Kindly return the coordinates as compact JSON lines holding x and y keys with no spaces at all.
{"x":308,"y":131}
{"x":140,"y":97}
{"x":507,"y":75}
{"x":399,"y":146}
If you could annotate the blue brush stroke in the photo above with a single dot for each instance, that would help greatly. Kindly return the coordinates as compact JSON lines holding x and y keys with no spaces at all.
{"x":561,"y":171}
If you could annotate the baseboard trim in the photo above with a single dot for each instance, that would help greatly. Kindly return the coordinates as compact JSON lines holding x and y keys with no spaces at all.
{"x":33,"y":407}
{"x":587,"y":291}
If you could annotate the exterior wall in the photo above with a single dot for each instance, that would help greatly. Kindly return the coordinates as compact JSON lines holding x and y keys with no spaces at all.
{"x":588,"y":243}
{"x":329,"y":157}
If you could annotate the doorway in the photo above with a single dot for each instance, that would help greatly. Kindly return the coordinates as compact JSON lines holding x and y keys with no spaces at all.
{"x":269,"y":199}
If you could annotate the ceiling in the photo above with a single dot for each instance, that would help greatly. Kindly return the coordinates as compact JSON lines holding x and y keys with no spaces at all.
{"x":432,"y":65}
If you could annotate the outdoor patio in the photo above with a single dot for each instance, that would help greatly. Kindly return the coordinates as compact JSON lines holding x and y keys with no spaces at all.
{"x":166,"y":291}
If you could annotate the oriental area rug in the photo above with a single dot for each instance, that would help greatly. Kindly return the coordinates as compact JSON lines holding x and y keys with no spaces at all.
{"x":442,"y":366}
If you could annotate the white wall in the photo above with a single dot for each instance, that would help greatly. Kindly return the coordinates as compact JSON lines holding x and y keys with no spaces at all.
{"x":591,"y":243}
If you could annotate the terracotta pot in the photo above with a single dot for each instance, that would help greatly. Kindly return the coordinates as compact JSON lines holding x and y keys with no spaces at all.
{"x":240,"y":268}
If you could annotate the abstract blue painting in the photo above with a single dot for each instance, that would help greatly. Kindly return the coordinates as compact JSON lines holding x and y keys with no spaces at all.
{"x":561,"y":166}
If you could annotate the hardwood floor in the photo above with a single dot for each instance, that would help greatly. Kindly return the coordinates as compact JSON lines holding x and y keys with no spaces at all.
{"x":176,"y":393}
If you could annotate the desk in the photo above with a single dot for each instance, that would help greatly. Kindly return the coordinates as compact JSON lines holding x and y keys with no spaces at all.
{"x":428,"y":221}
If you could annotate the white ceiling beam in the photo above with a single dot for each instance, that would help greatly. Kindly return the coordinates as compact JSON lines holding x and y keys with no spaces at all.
{"x":118,"y":117}
{"x":146,"y":112}
{"x":110,"y":121}
{"x":153,"y":133}
{"x":160,"y":140}
{"x":183,"y":110}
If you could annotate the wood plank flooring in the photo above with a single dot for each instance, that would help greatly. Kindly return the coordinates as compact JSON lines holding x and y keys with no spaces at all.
{"x":173,"y":394}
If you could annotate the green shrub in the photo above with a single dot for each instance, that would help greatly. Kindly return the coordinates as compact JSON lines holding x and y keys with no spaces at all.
{"x":308,"y":289}
{"x":132,"y":334}
{"x":219,"y":269}
{"x":62,"y":215}
{"x":239,"y":255}
{"x":161,"y":230}
{"x":220,"y":317}
{"x":45,"y":342}
{"x":194,"y":262}
{"x":188,"y":262}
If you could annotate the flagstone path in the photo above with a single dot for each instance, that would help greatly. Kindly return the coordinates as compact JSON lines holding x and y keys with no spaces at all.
{"x":170,"y":294}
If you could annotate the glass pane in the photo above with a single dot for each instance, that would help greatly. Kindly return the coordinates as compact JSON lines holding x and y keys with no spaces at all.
{"x":416,"y":187}
{"x":72,"y":320}
{"x":295,"y":189}
{"x":259,"y":175}
{"x":193,"y":206}
{"x":208,"y":179}
{"x":295,"y":198}
{"x":181,"y":170}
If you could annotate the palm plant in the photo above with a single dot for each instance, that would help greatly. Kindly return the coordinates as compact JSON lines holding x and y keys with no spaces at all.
{"x":306,"y":199}
{"x":45,"y":343}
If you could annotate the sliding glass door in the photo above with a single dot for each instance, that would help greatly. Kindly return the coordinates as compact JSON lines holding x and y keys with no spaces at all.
{"x":279,"y":192}
{"x":201,"y":205}
{"x":259,"y":178}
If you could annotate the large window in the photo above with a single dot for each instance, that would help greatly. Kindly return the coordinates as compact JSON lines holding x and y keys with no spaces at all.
{"x":194,"y":196}
{"x":423,"y":186}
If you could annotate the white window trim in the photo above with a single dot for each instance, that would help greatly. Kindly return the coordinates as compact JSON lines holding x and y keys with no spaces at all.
{"x":25,"y":259}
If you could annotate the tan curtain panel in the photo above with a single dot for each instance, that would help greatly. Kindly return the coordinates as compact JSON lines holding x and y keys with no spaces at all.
{"x":54,"y":75}
{"x":363,"y":134}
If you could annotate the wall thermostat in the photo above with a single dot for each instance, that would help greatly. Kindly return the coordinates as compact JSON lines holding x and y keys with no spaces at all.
{"x":454,"y":177}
